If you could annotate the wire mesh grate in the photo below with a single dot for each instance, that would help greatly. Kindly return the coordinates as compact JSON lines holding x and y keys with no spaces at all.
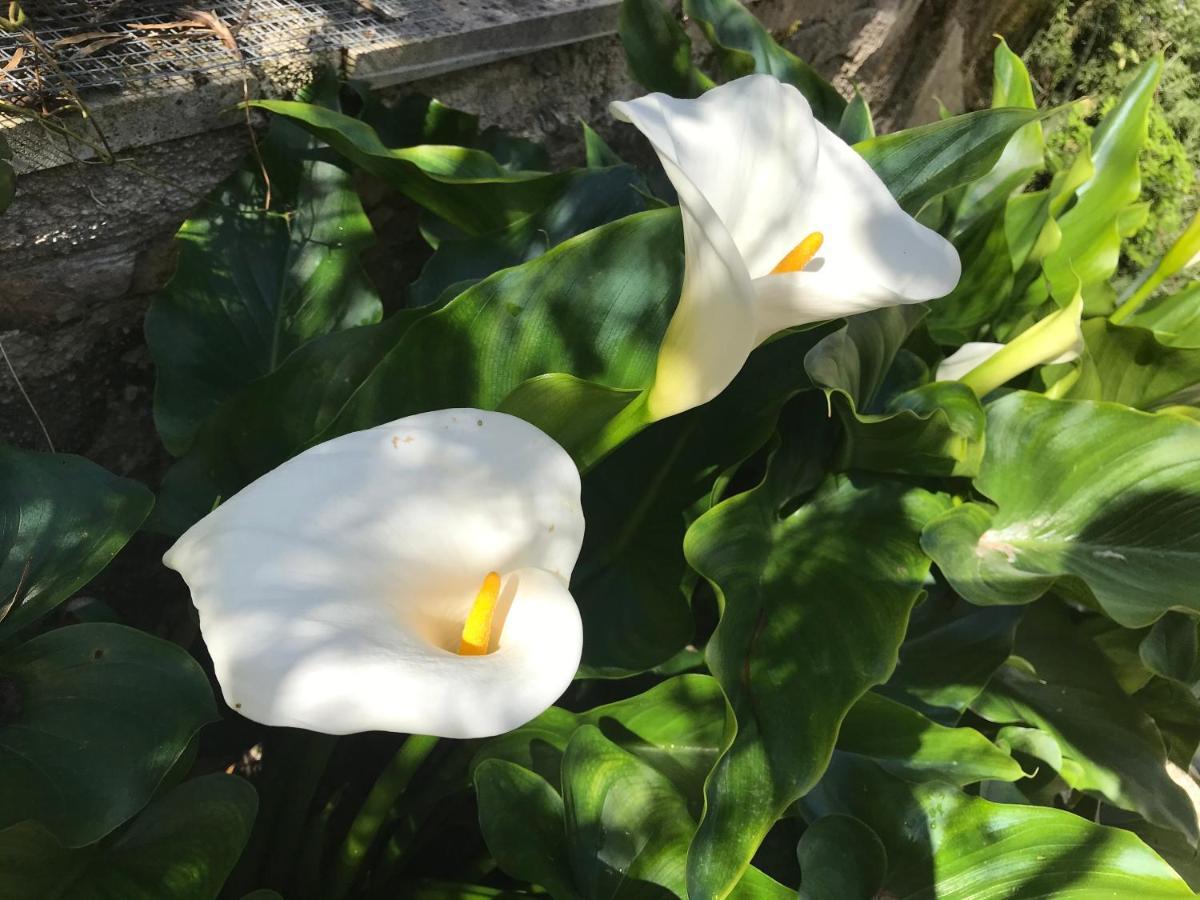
{"x":77,"y":46}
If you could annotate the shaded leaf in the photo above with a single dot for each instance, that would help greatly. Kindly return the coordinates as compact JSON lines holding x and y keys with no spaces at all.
{"x":658,"y":50}
{"x":840,"y":859}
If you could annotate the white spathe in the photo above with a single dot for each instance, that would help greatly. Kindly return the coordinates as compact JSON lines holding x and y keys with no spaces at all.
{"x":332,"y":591}
{"x":756,"y":173}
{"x":973,"y":354}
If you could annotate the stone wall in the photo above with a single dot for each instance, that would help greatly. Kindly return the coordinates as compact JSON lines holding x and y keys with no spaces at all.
{"x":84,"y":246}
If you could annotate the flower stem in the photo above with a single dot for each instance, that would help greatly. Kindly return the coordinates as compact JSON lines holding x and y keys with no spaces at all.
{"x":365,"y":827}
{"x":314,"y":752}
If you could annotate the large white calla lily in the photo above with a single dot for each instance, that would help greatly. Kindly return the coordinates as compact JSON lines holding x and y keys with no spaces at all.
{"x":409,"y":578}
{"x":784,"y":224}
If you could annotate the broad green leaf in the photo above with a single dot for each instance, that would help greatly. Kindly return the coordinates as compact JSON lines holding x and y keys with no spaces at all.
{"x":943,"y":844}
{"x":467,"y":188}
{"x":182,"y":847}
{"x":658,"y":50}
{"x":99,"y":714}
{"x":1023,"y":155}
{"x":814,"y":606}
{"x":629,"y":582}
{"x":252,"y":286}
{"x":950,"y":651}
{"x":744,"y":46}
{"x":1091,"y":228}
{"x":8,"y":178}
{"x":597,"y":152}
{"x":1170,"y":845}
{"x":62,"y":519}
{"x":1174,"y":318}
{"x":840,"y":859}
{"x":425,"y":889}
{"x":521,"y":816}
{"x":1171,"y":648}
{"x":856,"y":124}
{"x":628,"y":826}
{"x":1129,"y":365}
{"x":908,"y":745}
{"x":934,"y":429}
{"x":1095,"y":491}
{"x":677,"y":725}
{"x":985,"y":286}
{"x":589,"y":198}
{"x":918,"y":164}
{"x":1176,"y":712}
{"x":594,"y":307}
{"x":1063,"y":687}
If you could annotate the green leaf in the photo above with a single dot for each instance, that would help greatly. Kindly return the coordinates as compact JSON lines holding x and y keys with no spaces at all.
{"x":792,"y":670}
{"x":905,"y":743}
{"x":588,"y":199}
{"x":934,"y":429}
{"x":1171,"y":648}
{"x":1023,"y":155}
{"x":856,"y":124}
{"x":596,"y":151}
{"x":627,"y":826}
{"x":920,"y":163}
{"x":102,"y":714}
{"x":1091,"y":233}
{"x":62,"y":519}
{"x":840,"y":859}
{"x":467,"y":188}
{"x":522,"y":820}
{"x":744,"y":46}
{"x":658,"y":50}
{"x":983,"y":289}
{"x":1174,"y":318}
{"x":677,"y":725}
{"x":183,"y":847}
{"x":941,"y":843}
{"x":1064,"y":688}
{"x":1095,"y":491}
{"x":251,"y":286}
{"x":1129,"y":365}
{"x":632,"y":582}
{"x":1182,"y":255}
{"x":8,"y":177}
{"x":950,"y":652}
{"x":594,"y":307}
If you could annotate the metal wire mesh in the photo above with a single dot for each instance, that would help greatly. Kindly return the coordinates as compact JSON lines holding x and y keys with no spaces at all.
{"x":83,"y":45}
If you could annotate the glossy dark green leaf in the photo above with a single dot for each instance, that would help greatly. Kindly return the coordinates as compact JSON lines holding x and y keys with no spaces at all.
{"x":1091,"y":228}
{"x":252,"y":286}
{"x":1129,"y":365}
{"x":1063,"y":688}
{"x":934,"y":429}
{"x":630,"y":580}
{"x":658,"y":50}
{"x":919,"y":163}
{"x":62,"y":519}
{"x":943,"y":844}
{"x":743,"y":45}
{"x":467,"y":188}
{"x":856,"y":124}
{"x":1095,"y":491}
{"x":840,"y":859}
{"x":586,"y":200}
{"x":677,"y":725}
{"x":908,"y":745}
{"x":1176,"y":713}
{"x":102,"y":714}
{"x":182,"y":847}
{"x":521,"y":816}
{"x":984,"y":288}
{"x":1171,"y":648}
{"x":950,"y":651}
{"x":791,"y":670}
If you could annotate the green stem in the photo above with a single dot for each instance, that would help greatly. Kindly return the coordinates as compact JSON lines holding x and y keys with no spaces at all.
{"x":304,"y":774}
{"x":620,"y":428}
{"x":363,"y":831}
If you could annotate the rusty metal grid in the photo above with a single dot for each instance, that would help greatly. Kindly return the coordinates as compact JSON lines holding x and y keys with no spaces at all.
{"x":83,"y":45}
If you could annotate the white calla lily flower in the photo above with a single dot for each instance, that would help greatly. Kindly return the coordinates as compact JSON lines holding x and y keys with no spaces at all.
{"x":783,"y":223}
{"x":409,"y":578}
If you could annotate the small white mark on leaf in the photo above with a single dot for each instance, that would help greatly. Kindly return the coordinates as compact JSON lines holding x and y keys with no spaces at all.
{"x":1108,"y":554}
